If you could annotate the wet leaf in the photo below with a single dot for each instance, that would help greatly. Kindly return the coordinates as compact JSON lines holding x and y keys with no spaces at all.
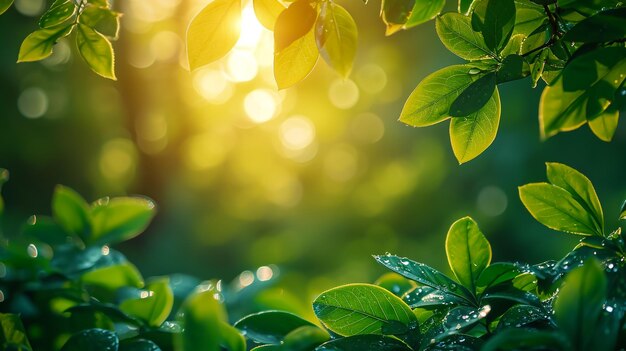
{"x":367,"y":342}
{"x":361,"y":309}
{"x":154,"y":307}
{"x":92,"y":340}
{"x":468,"y":251}
{"x":213,"y":32}
{"x":270,"y":327}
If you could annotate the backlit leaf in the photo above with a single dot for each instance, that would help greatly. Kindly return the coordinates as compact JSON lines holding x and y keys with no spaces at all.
{"x":71,"y":211}
{"x":4,"y":5}
{"x":305,"y":338}
{"x":155,"y":306}
{"x":270,"y":327}
{"x":96,"y":50}
{"x":295,"y":62}
{"x":495,"y":19}
{"x":430,"y":102}
{"x":557,"y":209}
{"x":267,"y":11}
{"x":361,"y":309}
{"x":213,"y":32}
{"x":423,"y":11}
{"x":201,"y":315}
{"x":12,"y":333}
{"x":456,"y":33}
{"x":59,"y":12}
{"x":471,"y":135}
{"x":579,"y":186}
{"x":605,"y":125}
{"x":474,"y":97}
{"x":293,"y":24}
{"x":103,"y":20}
{"x":336,"y":37}
{"x":468,"y":251}
{"x":395,"y":13}
{"x":120,"y":219}
{"x":38,"y":44}
{"x":605,"y":26}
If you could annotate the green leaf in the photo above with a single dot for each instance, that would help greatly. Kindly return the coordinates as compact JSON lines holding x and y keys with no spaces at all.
{"x":471,"y":135}
{"x":267,"y":11}
{"x":38,"y":44}
{"x":465,"y":6}
{"x":526,"y":339}
{"x":154,"y":306}
{"x":456,"y":33}
{"x":495,"y":274}
{"x":424,"y":275}
{"x":92,"y":340}
{"x":139,"y":345}
{"x":579,"y":187}
{"x":71,"y":211}
{"x":605,"y":26}
{"x":232,"y":339}
{"x":270,"y":327}
{"x":120,"y":219}
{"x":202,"y":316}
{"x":295,"y":62}
{"x":293,"y":24}
{"x":585,"y":69}
{"x":475,"y":96}
{"x":424,"y":11}
{"x":96,"y":50}
{"x":305,"y":338}
{"x":512,"y":68}
{"x":468,"y":251}
{"x":522,"y":315}
{"x":368,"y":342}
{"x":395,"y":283}
{"x":525,"y":282}
{"x":114,"y":277}
{"x":622,"y":214}
{"x":578,"y":305}
{"x":12,"y":333}
{"x":4,"y":5}
{"x":430,"y":102}
{"x":59,"y":12}
{"x":528,"y":19}
{"x":102,"y":20}
{"x":361,"y":309}
{"x":425,"y":296}
{"x":495,"y":19}
{"x":336,"y":37}
{"x":605,"y":125}
{"x":557,"y":209}
{"x":395,"y":13}
{"x":213,"y":32}
{"x":44,"y":229}
{"x":4,"y":177}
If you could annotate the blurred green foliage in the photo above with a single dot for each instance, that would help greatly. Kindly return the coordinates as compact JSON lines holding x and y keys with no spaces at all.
{"x":314,"y":179}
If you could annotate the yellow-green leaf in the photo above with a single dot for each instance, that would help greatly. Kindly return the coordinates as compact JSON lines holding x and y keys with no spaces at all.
{"x":468,"y":251}
{"x":213,"y":32}
{"x":336,"y":36}
{"x":38,"y":44}
{"x":4,"y":5}
{"x":267,"y":11}
{"x":202,"y":315}
{"x":295,"y":62}
{"x":96,"y":50}
{"x":103,"y":20}
{"x":154,"y":305}
{"x":472,"y":135}
{"x":59,"y":12}
{"x":605,"y":124}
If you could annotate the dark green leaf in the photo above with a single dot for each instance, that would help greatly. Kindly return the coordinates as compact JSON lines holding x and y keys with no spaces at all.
{"x":468,"y":251}
{"x":522,"y":315}
{"x":587,"y":68}
{"x":38,"y":45}
{"x":579,"y":187}
{"x":557,"y":209}
{"x":526,"y":339}
{"x":4,"y":5}
{"x":464,"y":6}
{"x":154,"y":305}
{"x":96,"y":50}
{"x":368,"y":342}
{"x":395,"y":283}
{"x":71,"y":211}
{"x":474,"y":97}
{"x":425,"y":296}
{"x":44,"y":229}
{"x":605,"y":26}
{"x":270,"y":327}
{"x":92,"y":340}
{"x":456,"y":33}
{"x":361,"y":309}
{"x":110,"y":310}
{"x":525,"y":282}
{"x":395,"y":13}
{"x":579,"y":303}
{"x":495,"y":274}
{"x":425,"y":275}
{"x":293,"y":23}
{"x":103,"y":20}
{"x":12,"y":333}
{"x":512,"y":68}
{"x":120,"y":219}
{"x":305,"y":338}
{"x":59,"y":12}
{"x":622,"y":214}
{"x":232,"y":339}
{"x":336,"y":37}
{"x":471,"y":135}
{"x":430,"y":102}
{"x":139,"y":345}
{"x":495,"y":19}
{"x":4,"y":177}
